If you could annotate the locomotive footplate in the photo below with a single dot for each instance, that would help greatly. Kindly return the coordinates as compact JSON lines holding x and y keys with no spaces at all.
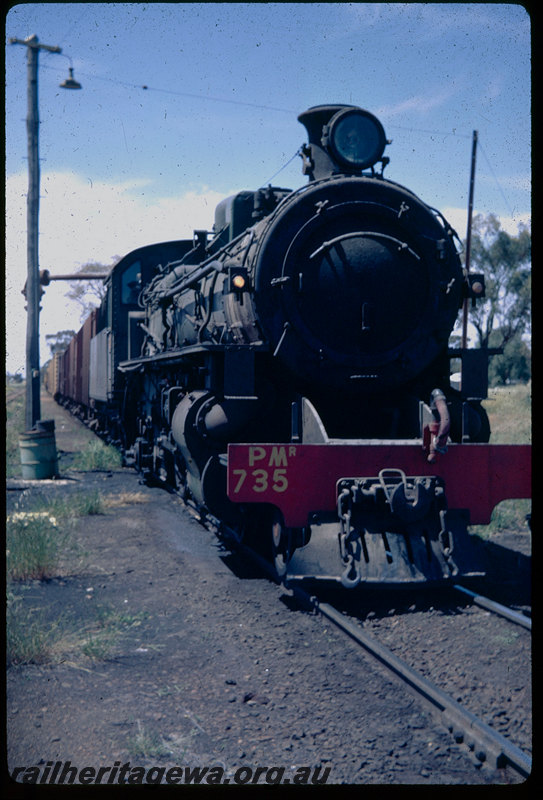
{"x":388,"y":529}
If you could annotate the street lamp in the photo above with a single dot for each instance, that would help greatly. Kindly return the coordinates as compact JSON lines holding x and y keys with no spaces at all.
{"x":70,"y":83}
{"x":32,"y":412}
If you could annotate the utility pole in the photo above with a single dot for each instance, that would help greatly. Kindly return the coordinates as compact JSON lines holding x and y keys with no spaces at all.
{"x":33,"y":292}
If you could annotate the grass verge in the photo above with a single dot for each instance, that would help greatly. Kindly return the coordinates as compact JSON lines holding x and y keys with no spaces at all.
{"x":35,"y":541}
{"x":509,"y":410}
{"x":40,"y":545}
{"x":147,"y":744}
{"x":15,"y":424}
{"x":97,"y":456}
{"x":32,"y":638}
{"x":29,"y":638}
{"x":101,"y":637}
{"x":39,"y":540}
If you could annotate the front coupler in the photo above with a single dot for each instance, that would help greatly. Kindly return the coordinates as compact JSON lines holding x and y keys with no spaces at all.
{"x":388,"y":529}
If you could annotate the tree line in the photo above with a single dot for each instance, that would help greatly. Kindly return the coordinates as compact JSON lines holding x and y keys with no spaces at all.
{"x":503,"y":318}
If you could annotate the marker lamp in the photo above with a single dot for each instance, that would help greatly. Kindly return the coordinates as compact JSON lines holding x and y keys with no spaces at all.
{"x":238,"y":279}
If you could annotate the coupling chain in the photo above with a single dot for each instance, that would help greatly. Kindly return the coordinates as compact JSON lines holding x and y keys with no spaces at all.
{"x":344,"y":512}
{"x":445,"y":536}
{"x":350,"y":576}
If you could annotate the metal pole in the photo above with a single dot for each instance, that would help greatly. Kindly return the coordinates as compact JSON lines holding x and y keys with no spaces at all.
{"x":77,"y":276}
{"x":468,"y":236}
{"x":32,"y":411}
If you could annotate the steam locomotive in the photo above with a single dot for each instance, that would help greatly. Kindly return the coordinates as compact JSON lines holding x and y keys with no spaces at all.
{"x":289,"y":374}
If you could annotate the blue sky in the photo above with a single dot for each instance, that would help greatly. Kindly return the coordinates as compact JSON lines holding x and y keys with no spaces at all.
{"x":123,"y":165}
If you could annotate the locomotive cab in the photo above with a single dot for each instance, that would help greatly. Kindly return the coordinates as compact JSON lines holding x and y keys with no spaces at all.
{"x":119,"y":334}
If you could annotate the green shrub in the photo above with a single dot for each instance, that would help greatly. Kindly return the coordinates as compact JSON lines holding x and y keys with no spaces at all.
{"x":509,"y":515}
{"x":147,"y":744}
{"x":97,"y":456}
{"x":34,"y":542}
{"x":28,"y":639}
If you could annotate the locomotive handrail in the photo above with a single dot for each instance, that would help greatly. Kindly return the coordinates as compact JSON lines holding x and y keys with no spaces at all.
{"x":363,"y":234}
{"x":205,"y":269}
{"x":448,"y":227}
{"x":194,"y":277}
{"x":177,"y":356}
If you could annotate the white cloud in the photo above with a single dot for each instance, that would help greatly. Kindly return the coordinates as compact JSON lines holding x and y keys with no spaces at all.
{"x":458,"y":218}
{"x":420,"y":104}
{"x":81,"y":221}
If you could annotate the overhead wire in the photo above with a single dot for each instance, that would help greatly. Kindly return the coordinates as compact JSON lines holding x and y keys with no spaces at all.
{"x":175,"y":92}
{"x":489,"y":165}
{"x":74,"y":26}
{"x":195,"y":96}
{"x":178,"y":93}
{"x":430,"y":133}
{"x":463,"y":136}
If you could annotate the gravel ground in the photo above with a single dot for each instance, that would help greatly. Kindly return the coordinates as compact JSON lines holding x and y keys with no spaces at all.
{"x":212,"y":665}
{"x":483,"y":661}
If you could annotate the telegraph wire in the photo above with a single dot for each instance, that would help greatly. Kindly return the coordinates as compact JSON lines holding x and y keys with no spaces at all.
{"x":177,"y":93}
{"x":489,"y":165}
{"x":462,"y":136}
{"x":430,"y":133}
{"x":194,"y":96}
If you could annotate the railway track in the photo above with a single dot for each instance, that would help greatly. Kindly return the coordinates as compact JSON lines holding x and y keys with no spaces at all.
{"x":14,"y":395}
{"x":484,"y":744}
{"x":497,"y":608}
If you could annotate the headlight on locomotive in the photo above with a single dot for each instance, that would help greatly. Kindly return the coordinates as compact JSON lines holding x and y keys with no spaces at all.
{"x":355,"y":137}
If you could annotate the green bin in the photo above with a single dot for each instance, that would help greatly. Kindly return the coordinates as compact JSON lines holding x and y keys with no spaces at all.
{"x":38,"y":450}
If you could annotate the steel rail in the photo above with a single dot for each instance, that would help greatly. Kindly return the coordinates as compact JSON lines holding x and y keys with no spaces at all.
{"x":497,"y":608}
{"x":486,"y":743}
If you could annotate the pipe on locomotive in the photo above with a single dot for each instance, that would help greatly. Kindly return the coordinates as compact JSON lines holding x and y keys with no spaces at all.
{"x":440,"y":436}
